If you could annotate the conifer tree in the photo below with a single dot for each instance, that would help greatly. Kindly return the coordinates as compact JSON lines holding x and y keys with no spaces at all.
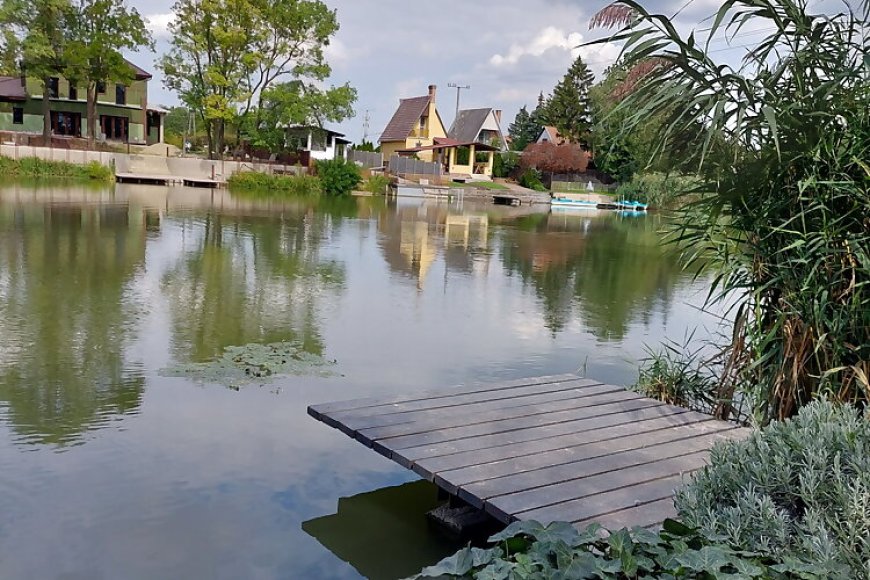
{"x":523,"y":130}
{"x":568,"y":109}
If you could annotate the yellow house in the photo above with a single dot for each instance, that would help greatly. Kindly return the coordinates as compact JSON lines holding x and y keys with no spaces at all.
{"x":415,"y":124}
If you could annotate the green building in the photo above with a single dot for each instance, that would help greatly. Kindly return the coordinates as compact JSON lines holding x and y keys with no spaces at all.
{"x":122,"y":109}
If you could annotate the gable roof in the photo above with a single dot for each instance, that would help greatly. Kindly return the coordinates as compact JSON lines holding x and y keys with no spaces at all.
{"x":552,"y":135}
{"x":11,"y":89}
{"x":138,"y":73}
{"x":467,"y":125}
{"x":404,"y":119}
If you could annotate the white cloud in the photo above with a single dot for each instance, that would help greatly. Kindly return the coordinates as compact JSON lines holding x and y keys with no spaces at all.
{"x":158,"y":24}
{"x":549,"y":38}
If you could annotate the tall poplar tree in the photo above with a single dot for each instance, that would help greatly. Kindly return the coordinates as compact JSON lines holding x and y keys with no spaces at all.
{"x":568,"y":108}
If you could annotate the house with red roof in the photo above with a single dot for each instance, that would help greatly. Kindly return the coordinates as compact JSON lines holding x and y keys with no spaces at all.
{"x":123,"y":113}
{"x":415,"y":125}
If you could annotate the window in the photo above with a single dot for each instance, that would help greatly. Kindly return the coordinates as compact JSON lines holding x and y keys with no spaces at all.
{"x":73,"y":92}
{"x":120,"y":94}
{"x":101,"y":87}
{"x":53,"y":84}
{"x":17,"y":115}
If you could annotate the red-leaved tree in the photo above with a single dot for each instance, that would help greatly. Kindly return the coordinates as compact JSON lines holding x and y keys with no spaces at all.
{"x":552,"y":158}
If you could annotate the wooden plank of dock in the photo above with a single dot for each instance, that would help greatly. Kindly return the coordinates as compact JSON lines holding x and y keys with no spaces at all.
{"x":550,"y":448}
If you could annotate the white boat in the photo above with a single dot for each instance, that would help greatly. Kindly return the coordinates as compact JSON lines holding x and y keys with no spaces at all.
{"x":561,"y":202}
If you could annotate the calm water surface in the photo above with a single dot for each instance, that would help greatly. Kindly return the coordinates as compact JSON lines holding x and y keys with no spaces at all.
{"x":109,"y":470}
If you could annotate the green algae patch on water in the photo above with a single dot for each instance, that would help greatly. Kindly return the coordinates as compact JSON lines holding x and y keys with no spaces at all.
{"x":240,"y":366}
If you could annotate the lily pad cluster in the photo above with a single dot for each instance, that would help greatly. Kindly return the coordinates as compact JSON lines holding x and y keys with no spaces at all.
{"x":254,"y":363}
{"x":529,"y":550}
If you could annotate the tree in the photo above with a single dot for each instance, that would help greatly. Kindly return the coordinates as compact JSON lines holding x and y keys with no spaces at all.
{"x":553,"y":158}
{"x":523,"y":130}
{"x":367,"y":146}
{"x":101,"y":29}
{"x":780,"y":216}
{"x":226,"y":54}
{"x":10,"y":50}
{"x":40,"y":29}
{"x":568,"y":108}
{"x":297,"y":103}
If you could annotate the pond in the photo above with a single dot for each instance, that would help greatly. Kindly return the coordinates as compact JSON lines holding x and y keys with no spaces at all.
{"x":113,"y":466}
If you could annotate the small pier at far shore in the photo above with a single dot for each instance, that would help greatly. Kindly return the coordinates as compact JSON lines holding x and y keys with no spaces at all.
{"x":556,"y":448}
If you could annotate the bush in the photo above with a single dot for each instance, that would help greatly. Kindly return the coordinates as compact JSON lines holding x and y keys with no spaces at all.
{"x":528,"y":550}
{"x":338,"y":176}
{"x":657,"y":189}
{"x":531,"y":179}
{"x":376,"y":184}
{"x":797,"y":489}
{"x":264,"y":184}
{"x":505,"y":164}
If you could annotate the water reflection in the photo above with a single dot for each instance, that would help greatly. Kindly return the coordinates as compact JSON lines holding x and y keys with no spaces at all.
{"x":242,"y":279}
{"x":385,"y":534}
{"x":101,"y":289}
{"x":606,"y":269}
{"x":67,"y":316}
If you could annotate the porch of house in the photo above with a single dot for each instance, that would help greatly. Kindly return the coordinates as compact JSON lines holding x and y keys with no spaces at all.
{"x":460,"y":161}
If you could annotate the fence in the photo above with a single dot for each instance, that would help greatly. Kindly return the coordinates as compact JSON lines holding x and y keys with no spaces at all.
{"x":366,"y":159}
{"x":408,"y":166}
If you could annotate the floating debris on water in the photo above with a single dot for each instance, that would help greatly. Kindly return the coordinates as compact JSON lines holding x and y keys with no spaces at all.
{"x":254,"y":364}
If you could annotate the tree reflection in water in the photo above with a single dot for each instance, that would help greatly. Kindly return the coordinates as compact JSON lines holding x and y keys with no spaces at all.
{"x":66,"y":302}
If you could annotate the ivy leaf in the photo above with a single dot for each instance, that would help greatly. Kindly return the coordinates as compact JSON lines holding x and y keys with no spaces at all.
{"x":747,"y":568}
{"x":498,"y":570}
{"x":621,"y":543}
{"x":482,"y":558}
{"x":676,"y":528}
{"x":527,"y":528}
{"x":584,"y":565}
{"x":458,"y":564}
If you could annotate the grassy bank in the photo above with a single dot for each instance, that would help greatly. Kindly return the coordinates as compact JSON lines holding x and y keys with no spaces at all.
{"x":35,"y":168}
{"x":275,"y":185}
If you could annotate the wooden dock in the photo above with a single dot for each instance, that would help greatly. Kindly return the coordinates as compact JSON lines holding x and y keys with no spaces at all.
{"x":557,"y":448}
{"x":164,"y":180}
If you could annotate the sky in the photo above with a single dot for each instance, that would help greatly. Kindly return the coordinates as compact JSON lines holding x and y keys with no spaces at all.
{"x":507,"y":51}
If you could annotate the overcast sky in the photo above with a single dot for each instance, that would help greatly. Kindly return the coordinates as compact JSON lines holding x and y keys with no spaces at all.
{"x":508,"y":51}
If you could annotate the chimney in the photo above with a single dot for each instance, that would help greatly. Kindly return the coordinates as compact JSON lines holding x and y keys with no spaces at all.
{"x":497,"y":114}
{"x":432,"y":90}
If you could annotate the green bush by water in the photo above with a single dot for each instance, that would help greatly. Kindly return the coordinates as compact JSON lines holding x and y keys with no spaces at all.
{"x":338,"y":177}
{"x":376,"y":184}
{"x":282,"y":185}
{"x":656,"y":189}
{"x":33,"y":167}
{"x":528,"y":550}
{"x":531,"y":179}
{"x":799,"y":489}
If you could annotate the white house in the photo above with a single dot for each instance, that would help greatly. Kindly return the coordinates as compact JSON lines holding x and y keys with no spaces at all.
{"x":322,"y":144}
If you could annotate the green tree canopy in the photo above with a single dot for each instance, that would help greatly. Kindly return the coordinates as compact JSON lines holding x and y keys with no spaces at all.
{"x":99,"y":31}
{"x":226,"y":55}
{"x":524,"y":130}
{"x":568,"y":108}
{"x":38,"y":32}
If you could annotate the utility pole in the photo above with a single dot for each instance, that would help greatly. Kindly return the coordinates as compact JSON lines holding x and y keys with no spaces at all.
{"x":459,"y":89}
{"x":366,"y":125}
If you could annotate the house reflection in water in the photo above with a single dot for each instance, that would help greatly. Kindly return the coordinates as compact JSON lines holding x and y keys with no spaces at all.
{"x":419,"y":231}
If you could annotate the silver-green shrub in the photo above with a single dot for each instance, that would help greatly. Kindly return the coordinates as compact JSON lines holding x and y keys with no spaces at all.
{"x":799,"y":488}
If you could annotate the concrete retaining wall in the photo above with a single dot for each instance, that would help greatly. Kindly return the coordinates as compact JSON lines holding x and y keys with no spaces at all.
{"x":149,"y":164}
